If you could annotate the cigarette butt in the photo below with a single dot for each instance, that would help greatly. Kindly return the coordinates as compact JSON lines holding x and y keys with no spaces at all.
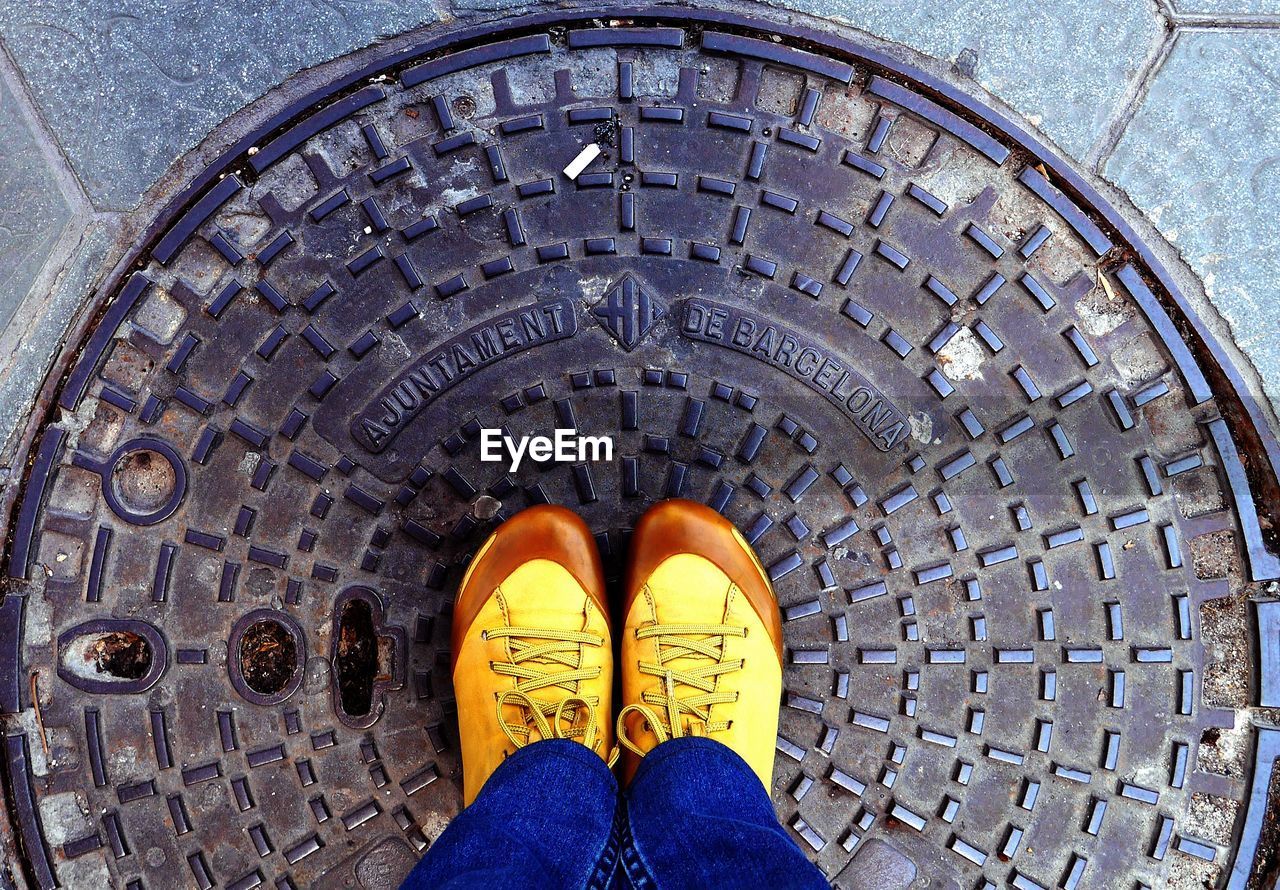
{"x":585,"y":157}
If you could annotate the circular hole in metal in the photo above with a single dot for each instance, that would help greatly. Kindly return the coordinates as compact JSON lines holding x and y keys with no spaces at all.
{"x":268,"y":657}
{"x":144,"y":480}
{"x":464,"y":106}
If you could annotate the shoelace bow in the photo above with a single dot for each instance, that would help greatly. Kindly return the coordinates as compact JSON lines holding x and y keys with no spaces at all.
{"x":667,"y":713}
{"x":532,"y":650}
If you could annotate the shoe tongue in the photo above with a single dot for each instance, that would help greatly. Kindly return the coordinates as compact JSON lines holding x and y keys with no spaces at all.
{"x":543,"y":616}
{"x":689,"y":590}
{"x":686,"y":663}
{"x":541,"y":594}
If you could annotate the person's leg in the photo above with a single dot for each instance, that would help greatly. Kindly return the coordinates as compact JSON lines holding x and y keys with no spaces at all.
{"x":697,"y":816}
{"x":701,"y":664}
{"x":545,"y":818}
{"x":532,"y":658}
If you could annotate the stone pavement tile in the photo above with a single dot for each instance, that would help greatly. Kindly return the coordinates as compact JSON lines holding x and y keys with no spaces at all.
{"x":1202,"y":159}
{"x":33,"y":210}
{"x":1227,"y":7}
{"x":1065,"y":66}
{"x":126,"y":87}
{"x":30,"y":343}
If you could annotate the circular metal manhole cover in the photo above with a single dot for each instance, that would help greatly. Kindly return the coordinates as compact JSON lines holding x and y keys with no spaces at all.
{"x":1009,"y":529}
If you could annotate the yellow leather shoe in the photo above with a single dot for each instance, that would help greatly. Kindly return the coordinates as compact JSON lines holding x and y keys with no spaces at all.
{"x":532,"y":648}
{"x":702,"y":640}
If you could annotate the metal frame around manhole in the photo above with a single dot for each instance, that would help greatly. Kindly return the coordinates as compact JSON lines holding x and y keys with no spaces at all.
{"x":1225,"y":381}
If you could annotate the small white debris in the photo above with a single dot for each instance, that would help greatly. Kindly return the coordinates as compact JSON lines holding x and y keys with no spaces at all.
{"x":584,"y":158}
{"x":921,"y":426}
{"x":962,"y":357}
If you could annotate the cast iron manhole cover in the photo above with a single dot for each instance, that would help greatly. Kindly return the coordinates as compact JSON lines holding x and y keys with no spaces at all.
{"x":1009,"y":527}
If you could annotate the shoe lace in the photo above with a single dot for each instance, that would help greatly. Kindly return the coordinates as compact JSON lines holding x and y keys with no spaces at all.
{"x":667,"y":713}
{"x":531,"y":653}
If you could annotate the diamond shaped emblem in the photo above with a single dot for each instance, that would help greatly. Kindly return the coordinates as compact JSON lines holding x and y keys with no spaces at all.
{"x":628,"y":313}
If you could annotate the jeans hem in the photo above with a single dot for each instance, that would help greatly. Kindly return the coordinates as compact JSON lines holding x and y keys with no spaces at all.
{"x":684,"y":745}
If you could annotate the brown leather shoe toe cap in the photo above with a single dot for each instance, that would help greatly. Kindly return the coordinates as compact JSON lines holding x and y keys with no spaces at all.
{"x":678,"y":526}
{"x":545,"y":531}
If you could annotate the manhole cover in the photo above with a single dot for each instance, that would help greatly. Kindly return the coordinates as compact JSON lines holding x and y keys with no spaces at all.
{"x":1010,"y":531}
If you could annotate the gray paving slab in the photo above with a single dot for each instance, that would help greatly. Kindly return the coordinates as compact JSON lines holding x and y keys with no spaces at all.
{"x":30,"y":342}
{"x":32,"y":209}
{"x":1227,"y":7}
{"x":1067,"y":67}
{"x":126,"y":88}
{"x":1202,"y":159}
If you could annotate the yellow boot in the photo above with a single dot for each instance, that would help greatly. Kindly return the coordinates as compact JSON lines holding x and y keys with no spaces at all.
{"x":702,"y":640}
{"x":532,"y":648}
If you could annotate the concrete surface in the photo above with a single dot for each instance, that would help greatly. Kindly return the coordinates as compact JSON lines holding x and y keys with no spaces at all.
{"x":126,"y":88}
{"x":1202,"y":157}
{"x":1167,"y":99}
{"x":1234,"y":8}
{"x":1017,"y":50}
{"x":25,"y":345}
{"x":32,"y":209}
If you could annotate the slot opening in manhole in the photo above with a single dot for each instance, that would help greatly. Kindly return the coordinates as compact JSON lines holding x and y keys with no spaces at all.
{"x":357,"y":660}
{"x":121,"y":654}
{"x":268,"y":657}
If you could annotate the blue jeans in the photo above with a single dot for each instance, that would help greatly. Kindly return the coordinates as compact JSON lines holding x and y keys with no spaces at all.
{"x":552,"y":816}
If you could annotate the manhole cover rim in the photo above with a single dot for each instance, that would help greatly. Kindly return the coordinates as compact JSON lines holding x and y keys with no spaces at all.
{"x":1228,"y":387}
